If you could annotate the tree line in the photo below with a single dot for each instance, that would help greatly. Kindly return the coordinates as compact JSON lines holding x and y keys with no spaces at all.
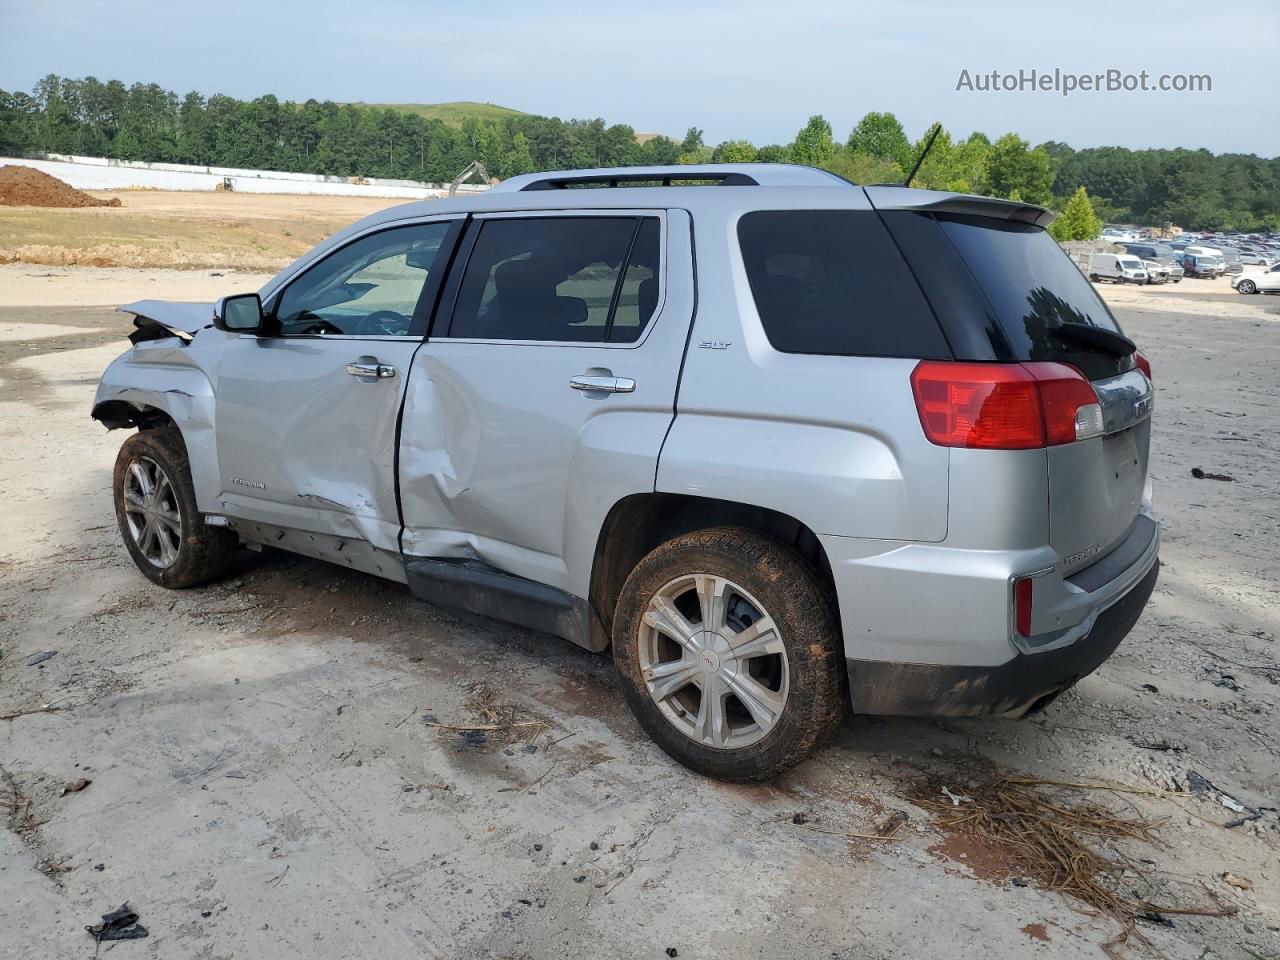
{"x":1195,"y":189}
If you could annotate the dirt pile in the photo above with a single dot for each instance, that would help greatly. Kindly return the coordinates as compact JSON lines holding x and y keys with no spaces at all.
{"x":26,"y":187}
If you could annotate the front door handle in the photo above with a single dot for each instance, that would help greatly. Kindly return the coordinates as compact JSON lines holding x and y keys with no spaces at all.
{"x":371,"y":368}
{"x":602,"y":384}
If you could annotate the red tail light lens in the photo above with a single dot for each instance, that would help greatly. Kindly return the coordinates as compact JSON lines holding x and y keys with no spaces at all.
{"x":1022,"y":589}
{"x":1004,"y":406}
{"x":1143,"y":363}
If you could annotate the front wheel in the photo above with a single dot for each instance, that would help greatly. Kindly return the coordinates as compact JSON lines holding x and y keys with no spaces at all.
{"x":156,"y":511}
{"x":730,"y":655}
{"x":1246,"y":286}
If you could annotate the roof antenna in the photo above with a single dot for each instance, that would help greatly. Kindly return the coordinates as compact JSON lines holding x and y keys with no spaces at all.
{"x":937,"y":129}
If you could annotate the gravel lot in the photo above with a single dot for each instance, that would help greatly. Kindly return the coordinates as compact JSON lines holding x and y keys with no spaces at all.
{"x":266,"y":781}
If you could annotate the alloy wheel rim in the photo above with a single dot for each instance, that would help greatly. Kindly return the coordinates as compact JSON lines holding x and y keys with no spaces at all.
{"x":713,"y":661}
{"x":151,"y":512}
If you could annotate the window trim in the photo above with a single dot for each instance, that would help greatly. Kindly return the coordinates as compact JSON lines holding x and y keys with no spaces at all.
{"x":428,"y":299}
{"x":443,"y":320}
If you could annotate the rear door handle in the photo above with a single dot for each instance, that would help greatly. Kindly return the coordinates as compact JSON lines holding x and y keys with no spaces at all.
{"x":602,"y":384}
{"x":369,"y":367}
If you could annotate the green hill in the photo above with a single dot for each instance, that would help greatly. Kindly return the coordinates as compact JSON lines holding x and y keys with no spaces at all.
{"x":451,"y":113}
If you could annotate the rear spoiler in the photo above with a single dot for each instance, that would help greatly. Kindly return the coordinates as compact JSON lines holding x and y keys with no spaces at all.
{"x":897,"y":197}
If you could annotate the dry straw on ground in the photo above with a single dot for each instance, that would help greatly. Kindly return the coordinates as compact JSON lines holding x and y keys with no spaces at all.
{"x":1026,"y":836}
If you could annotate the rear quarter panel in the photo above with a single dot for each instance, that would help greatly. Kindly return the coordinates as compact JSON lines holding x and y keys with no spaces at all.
{"x":834,"y":442}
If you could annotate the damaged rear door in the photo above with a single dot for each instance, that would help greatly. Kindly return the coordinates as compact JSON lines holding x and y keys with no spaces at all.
{"x":546,"y":388}
{"x":307,"y":411}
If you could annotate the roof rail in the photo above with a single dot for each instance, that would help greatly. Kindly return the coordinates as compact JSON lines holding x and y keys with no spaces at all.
{"x":726,"y":174}
{"x":729,"y":179}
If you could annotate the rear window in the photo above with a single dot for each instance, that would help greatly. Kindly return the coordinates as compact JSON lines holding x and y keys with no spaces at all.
{"x":833,"y":282}
{"x":1026,"y":281}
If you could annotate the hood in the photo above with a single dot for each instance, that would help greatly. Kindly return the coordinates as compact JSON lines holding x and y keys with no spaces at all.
{"x":159,"y":318}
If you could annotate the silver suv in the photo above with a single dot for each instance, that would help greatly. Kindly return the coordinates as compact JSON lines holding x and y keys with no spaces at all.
{"x":785,"y":443}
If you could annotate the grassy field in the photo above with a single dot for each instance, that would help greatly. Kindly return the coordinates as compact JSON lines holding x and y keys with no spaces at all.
{"x":451,"y":113}
{"x":234,"y":231}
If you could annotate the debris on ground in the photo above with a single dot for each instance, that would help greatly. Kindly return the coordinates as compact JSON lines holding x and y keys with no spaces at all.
{"x":27,"y":187}
{"x":74,"y":786}
{"x":1227,"y":680}
{"x":1022,"y":832}
{"x":119,"y":924}
{"x":1240,"y":883}
{"x":1203,"y":788}
{"x":1200,"y":474}
{"x":956,"y":798}
{"x":1161,"y":746}
{"x":39,"y":658}
{"x":502,"y":724}
{"x":892,"y":824}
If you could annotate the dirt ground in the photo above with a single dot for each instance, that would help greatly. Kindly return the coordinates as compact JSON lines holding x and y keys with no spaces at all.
{"x":266,"y":781}
{"x":154,"y":228}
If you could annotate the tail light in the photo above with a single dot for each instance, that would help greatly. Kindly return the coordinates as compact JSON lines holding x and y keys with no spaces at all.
{"x":1004,"y":406}
{"x":1143,"y":363}
{"x":1022,"y":589}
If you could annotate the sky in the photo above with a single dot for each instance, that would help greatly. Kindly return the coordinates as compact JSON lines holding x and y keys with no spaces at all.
{"x":734,"y":68}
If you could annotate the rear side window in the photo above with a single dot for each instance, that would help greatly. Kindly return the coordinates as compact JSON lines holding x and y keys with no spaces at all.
{"x":1033,"y":287}
{"x":567,"y":279}
{"x":1001,"y":289}
{"x":833,"y":282}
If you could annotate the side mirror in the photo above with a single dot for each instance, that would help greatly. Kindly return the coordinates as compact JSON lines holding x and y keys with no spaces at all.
{"x":239,"y":314}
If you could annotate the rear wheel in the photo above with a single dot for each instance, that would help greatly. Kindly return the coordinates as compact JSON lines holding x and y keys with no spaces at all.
{"x":156,"y":511}
{"x":729,"y":651}
{"x":1247,"y":286}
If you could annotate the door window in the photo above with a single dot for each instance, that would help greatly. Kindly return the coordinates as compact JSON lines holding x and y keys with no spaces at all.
{"x":564,"y":279}
{"x":370,"y":288}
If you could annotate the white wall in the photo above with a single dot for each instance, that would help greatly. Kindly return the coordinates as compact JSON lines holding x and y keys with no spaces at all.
{"x":100,"y":173}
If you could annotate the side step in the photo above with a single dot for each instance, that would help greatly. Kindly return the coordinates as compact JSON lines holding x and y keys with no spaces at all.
{"x":475,"y":587}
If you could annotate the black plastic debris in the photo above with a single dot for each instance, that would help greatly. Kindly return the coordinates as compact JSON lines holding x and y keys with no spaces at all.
{"x":1200,"y":474}
{"x":1150,"y":688}
{"x":119,"y":924}
{"x":40,"y":658}
{"x":1161,"y":746}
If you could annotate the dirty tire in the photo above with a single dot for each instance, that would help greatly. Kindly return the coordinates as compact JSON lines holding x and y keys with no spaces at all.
{"x":1246,"y":287}
{"x":204,"y":553}
{"x":801,"y":606}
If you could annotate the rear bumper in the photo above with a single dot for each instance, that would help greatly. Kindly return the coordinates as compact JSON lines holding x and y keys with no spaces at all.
{"x":1012,"y":689}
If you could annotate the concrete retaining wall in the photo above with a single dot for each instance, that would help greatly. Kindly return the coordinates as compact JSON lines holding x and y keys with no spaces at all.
{"x":101,"y":173}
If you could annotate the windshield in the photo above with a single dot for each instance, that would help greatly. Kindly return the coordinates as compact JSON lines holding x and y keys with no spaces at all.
{"x":1129,"y":263}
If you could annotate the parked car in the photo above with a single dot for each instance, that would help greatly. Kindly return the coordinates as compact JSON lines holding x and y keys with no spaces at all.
{"x":1158,"y":272}
{"x":1256,"y":257}
{"x":1116,"y":267}
{"x":1158,"y":253}
{"x":784,"y":445}
{"x":1201,"y":264}
{"x":1258,"y":282}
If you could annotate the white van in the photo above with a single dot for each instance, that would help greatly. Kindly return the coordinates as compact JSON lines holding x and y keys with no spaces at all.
{"x":1117,"y":267}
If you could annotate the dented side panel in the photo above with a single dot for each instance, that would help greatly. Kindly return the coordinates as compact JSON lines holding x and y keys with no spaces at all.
{"x":163,"y":375}
{"x":502,"y":461}
{"x":305,"y":445}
